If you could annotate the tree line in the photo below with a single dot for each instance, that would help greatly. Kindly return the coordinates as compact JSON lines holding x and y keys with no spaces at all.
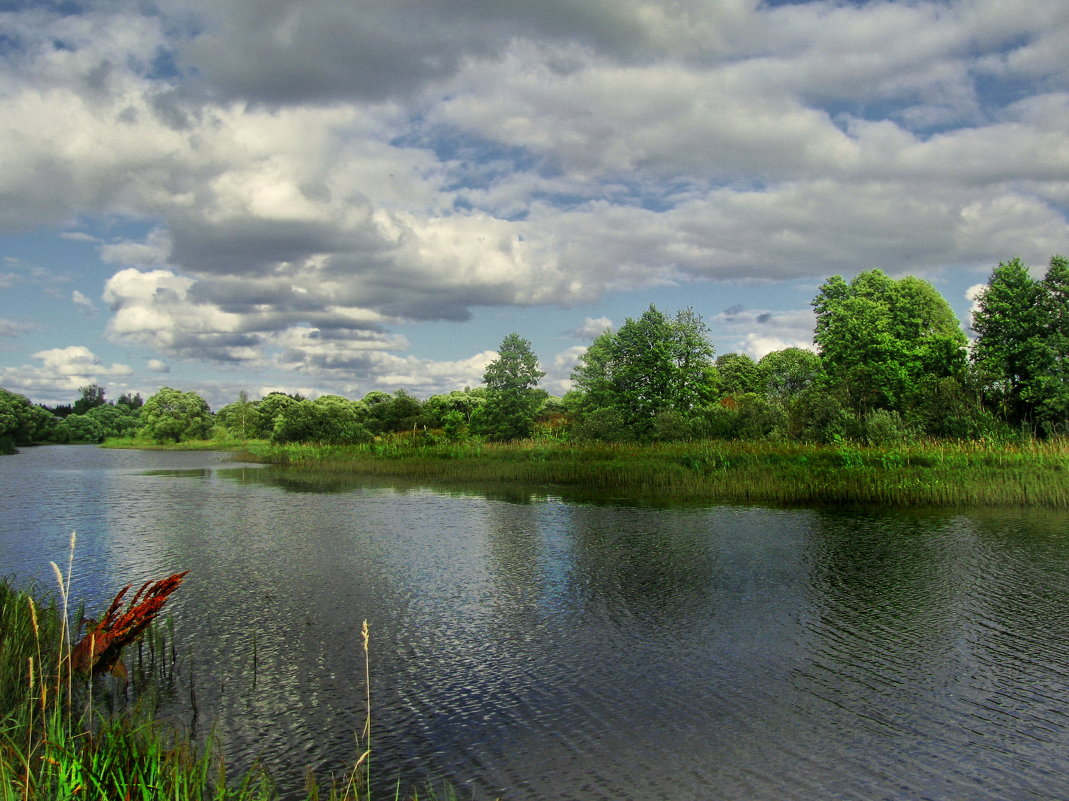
{"x":891,"y":363}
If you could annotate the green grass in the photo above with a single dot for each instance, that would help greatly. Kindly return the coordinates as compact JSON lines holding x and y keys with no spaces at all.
{"x":64,"y":736}
{"x":924,"y":474}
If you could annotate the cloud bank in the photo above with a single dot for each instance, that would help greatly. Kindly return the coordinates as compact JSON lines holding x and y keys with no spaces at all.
{"x":318,"y":176}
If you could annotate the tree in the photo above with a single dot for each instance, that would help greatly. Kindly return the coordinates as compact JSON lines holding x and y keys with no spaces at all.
{"x":739,"y":374}
{"x":512,"y":399}
{"x":134,"y":401}
{"x":397,"y":412}
{"x":92,"y":396}
{"x":176,"y":416}
{"x":1022,"y":342}
{"x":241,"y":418}
{"x":22,"y":423}
{"x":652,"y":365}
{"x":880,"y":338}
{"x":329,"y":419}
{"x":787,"y":372}
{"x":268,"y":411}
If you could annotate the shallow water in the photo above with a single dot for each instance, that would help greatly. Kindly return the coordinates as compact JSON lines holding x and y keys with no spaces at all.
{"x":535,"y":648}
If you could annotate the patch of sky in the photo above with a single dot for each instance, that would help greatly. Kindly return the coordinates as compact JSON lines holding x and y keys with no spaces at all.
{"x":998,"y":91}
{"x":479,"y":162}
{"x":164,"y":66}
{"x":67,"y":8}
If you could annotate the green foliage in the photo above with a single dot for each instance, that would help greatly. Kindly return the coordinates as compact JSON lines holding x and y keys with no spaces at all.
{"x":1022,"y":328}
{"x":739,"y":375}
{"x":512,"y":399}
{"x":880,"y":338}
{"x":173,"y":415}
{"x":886,"y":427}
{"x":462,"y":402}
{"x":242,"y":418}
{"x":267,"y":414}
{"x":651,"y":365}
{"x":21,"y":422}
{"x":397,"y":412}
{"x":329,"y":419}
{"x":788,"y":372}
{"x":92,"y":396}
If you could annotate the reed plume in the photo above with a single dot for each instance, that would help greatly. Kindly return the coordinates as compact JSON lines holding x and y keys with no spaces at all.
{"x":99,"y":651}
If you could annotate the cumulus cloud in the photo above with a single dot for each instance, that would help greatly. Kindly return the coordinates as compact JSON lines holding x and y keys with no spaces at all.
{"x":758,"y":332}
{"x":60,"y":373}
{"x":314,"y":176}
{"x":592,"y":328}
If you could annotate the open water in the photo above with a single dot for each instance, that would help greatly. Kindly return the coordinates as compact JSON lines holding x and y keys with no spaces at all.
{"x":530,"y":647}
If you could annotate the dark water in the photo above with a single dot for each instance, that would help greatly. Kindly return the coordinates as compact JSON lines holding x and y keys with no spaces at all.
{"x":535,"y":648}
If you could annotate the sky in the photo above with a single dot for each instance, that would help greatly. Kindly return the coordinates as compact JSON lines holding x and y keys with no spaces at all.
{"x":340,"y":196}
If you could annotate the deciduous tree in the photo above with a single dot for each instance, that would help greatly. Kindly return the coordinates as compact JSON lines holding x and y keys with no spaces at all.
{"x":173,"y":415}
{"x":512,"y":397}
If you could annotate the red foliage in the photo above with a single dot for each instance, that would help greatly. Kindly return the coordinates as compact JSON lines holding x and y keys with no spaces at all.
{"x":100,"y":649}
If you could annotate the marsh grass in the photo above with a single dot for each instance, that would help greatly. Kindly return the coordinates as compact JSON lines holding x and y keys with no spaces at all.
{"x":68,"y":736}
{"x":927,"y":473}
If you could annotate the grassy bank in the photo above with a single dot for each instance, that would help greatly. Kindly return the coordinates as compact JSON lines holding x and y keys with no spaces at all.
{"x":64,"y":735}
{"x":923,"y":474}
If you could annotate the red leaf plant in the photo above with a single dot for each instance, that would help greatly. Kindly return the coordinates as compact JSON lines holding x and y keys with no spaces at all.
{"x":99,"y":651}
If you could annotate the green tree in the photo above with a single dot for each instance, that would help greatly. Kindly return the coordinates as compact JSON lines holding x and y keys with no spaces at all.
{"x":22,"y":423}
{"x":79,"y":428}
{"x":1023,"y":344}
{"x":241,"y":418}
{"x":512,"y":397}
{"x":652,"y":365}
{"x":787,"y":372}
{"x":268,"y":411}
{"x":92,"y":396}
{"x":329,"y":419}
{"x":173,"y":415}
{"x":879,"y":339}
{"x":134,"y":401}
{"x":739,"y":374}
{"x":398,"y":412}
{"x":115,"y":420}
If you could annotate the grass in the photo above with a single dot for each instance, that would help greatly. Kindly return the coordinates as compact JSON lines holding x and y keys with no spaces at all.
{"x":64,"y":735}
{"x":929,"y":473}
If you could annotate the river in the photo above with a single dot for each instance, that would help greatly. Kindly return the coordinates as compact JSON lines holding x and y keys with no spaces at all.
{"x":531,"y":647}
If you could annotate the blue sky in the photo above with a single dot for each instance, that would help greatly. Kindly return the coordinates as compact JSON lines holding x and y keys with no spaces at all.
{"x":323,"y":197}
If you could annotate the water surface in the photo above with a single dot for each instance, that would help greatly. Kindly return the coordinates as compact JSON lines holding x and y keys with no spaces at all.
{"x":536,"y":648}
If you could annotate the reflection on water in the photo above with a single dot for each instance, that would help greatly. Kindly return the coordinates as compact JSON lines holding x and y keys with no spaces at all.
{"x":536,"y":648}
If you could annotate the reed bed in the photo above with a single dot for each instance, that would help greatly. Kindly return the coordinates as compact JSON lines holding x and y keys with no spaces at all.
{"x":928,"y":473}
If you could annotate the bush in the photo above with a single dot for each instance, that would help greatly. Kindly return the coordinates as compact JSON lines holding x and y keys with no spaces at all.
{"x":886,"y":427}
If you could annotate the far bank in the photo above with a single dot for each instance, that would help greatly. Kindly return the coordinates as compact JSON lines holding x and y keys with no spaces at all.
{"x":924,"y":474}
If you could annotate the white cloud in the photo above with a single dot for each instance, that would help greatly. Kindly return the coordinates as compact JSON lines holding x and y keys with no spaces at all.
{"x":14,"y":328}
{"x":313,"y":175}
{"x":62,"y":371}
{"x":157,"y":366}
{"x":592,"y":328}
{"x":82,"y":302}
{"x":758,"y":332}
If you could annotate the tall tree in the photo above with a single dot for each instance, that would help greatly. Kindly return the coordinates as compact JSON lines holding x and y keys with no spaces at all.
{"x":92,"y":396}
{"x":1022,"y":343}
{"x":512,"y":397}
{"x":879,"y":339}
{"x":652,"y":365}
{"x":174,"y":415}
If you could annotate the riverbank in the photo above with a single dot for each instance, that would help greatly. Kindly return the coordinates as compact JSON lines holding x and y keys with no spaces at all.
{"x":924,"y":474}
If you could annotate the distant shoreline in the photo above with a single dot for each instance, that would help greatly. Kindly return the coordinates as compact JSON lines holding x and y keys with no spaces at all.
{"x":930,"y":473}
